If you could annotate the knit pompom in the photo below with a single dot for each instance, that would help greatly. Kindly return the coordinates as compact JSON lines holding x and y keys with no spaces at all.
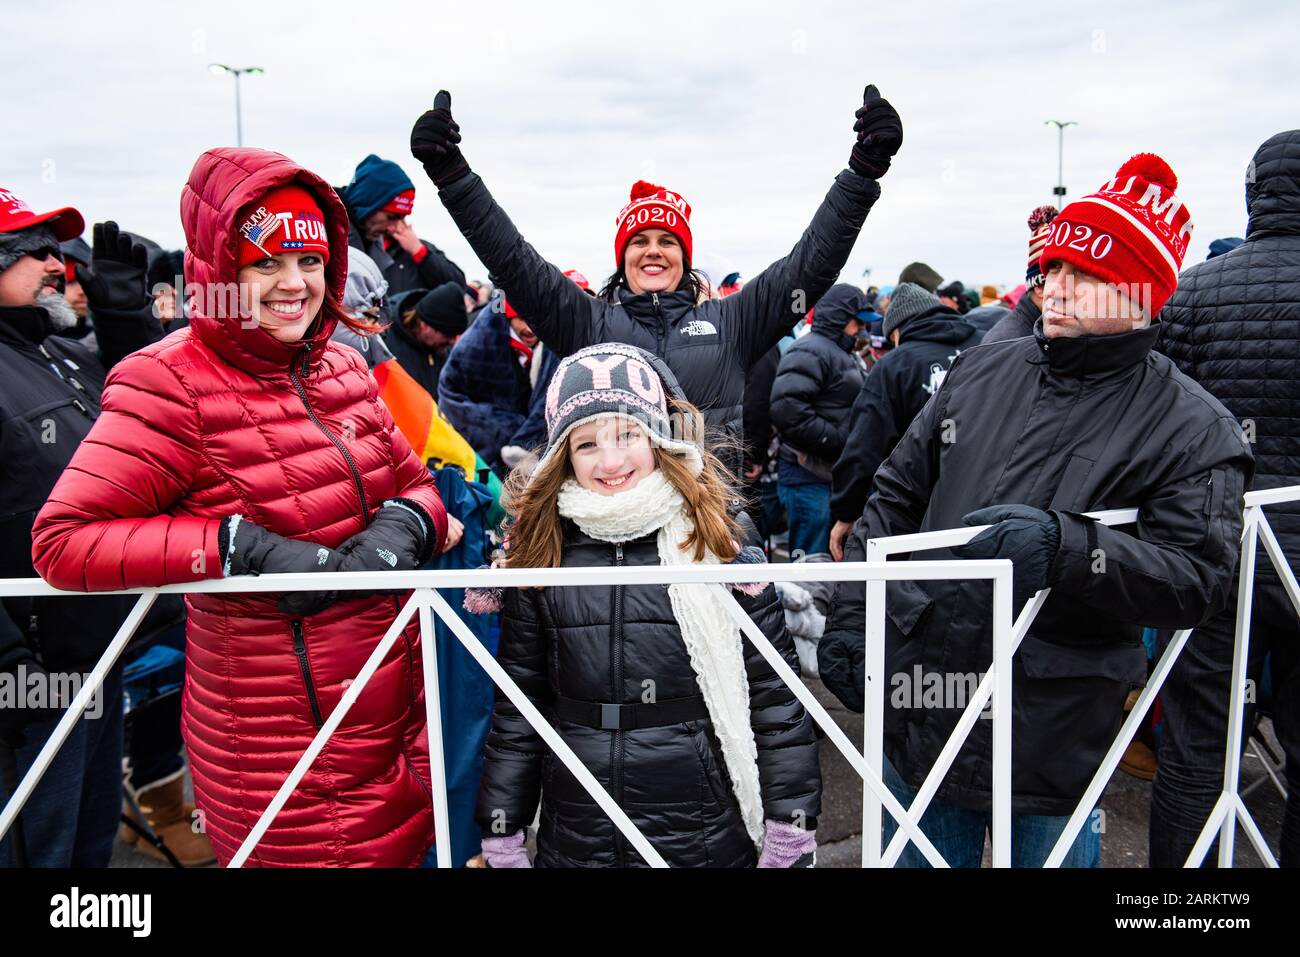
{"x":1041,"y":217}
{"x":482,"y":601}
{"x":641,"y":189}
{"x":1150,"y":167}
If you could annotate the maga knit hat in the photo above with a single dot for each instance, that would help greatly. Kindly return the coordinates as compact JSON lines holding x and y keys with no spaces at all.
{"x":652,"y":207}
{"x":285,"y":220}
{"x":615,"y":379}
{"x":908,"y":302}
{"x":1134,"y":230}
{"x":1039,"y":221}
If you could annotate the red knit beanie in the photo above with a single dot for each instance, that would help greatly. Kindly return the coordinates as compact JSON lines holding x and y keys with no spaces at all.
{"x":1134,"y":230}
{"x":285,"y":220}
{"x":652,"y":207}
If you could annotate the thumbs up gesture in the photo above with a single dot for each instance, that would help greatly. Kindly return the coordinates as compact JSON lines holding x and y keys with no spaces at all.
{"x":880,"y":134}
{"x":434,"y":140}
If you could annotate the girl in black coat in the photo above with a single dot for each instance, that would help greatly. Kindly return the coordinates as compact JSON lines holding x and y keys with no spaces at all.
{"x":688,"y":728}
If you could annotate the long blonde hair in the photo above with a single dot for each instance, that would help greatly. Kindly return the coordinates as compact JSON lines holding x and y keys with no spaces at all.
{"x":535,"y":535}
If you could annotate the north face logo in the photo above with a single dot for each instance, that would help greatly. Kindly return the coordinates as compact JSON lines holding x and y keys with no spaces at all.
{"x":699,"y":327}
{"x":386,"y":556}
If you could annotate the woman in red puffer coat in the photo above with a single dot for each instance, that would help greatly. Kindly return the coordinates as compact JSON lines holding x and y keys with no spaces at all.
{"x":248,"y":444}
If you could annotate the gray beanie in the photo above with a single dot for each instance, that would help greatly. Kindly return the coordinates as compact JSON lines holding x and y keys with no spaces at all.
{"x":922,"y":275}
{"x":908,"y":301}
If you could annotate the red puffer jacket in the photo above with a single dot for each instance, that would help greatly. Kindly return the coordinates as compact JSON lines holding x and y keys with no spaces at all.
{"x":218,"y":419}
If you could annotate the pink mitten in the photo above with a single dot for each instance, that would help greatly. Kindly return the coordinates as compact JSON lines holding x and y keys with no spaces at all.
{"x":506,"y":851}
{"x":783,"y":844}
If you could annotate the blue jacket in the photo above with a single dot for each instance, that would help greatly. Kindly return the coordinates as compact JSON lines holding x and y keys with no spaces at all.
{"x":485,"y":394}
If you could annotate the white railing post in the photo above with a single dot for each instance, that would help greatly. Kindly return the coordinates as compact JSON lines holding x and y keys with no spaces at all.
{"x":89,"y":689}
{"x":873,"y":711}
{"x":1236,"y":700}
{"x":433,"y":711}
{"x":1002,"y":716}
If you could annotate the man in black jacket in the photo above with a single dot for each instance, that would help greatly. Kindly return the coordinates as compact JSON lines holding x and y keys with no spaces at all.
{"x":1233,"y":325}
{"x":928,"y":336}
{"x":1025,"y":436}
{"x":49,"y":398}
{"x":379,"y":199}
{"x":427,"y":324}
{"x":816,"y":383}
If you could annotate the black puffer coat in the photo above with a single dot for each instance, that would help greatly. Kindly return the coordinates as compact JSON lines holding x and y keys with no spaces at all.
{"x":607,"y":644}
{"x":818,"y":380}
{"x":1068,"y":426}
{"x":896,"y":390}
{"x":1016,"y":324}
{"x":1233,"y":325}
{"x":710,"y":346}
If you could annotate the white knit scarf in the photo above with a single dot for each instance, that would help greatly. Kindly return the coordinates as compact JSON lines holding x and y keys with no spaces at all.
{"x":711,"y":637}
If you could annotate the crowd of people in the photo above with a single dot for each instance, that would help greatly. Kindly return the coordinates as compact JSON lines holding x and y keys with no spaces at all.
{"x":310,"y":386}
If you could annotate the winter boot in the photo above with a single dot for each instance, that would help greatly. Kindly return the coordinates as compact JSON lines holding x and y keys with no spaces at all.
{"x":172,"y":820}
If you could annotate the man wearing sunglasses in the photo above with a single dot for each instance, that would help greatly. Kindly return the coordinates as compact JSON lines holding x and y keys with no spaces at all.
{"x":50,"y":389}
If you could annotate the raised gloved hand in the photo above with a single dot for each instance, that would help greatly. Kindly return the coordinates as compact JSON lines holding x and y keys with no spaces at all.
{"x":400,"y":538}
{"x":508,"y":851}
{"x":787,"y":845}
{"x":880,"y":134}
{"x":434,"y":140}
{"x":116,"y":278}
{"x":1028,"y":536}
{"x":248,"y":549}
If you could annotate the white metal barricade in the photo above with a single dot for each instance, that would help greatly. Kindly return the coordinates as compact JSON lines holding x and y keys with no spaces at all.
{"x":426,"y":600}
{"x":994,"y":689}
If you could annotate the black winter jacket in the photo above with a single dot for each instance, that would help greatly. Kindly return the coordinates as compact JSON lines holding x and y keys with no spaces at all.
{"x":1069,"y":426}
{"x":896,"y":389}
{"x":1233,"y":325}
{"x":49,"y":398}
{"x":1018,"y":323}
{"x":400,"y":268}
{"x":611,"y":644}
{"x":710,"y":346}
{"x":817,"y":382}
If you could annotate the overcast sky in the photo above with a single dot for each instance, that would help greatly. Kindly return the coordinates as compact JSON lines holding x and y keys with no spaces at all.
{"x":747,"y":113}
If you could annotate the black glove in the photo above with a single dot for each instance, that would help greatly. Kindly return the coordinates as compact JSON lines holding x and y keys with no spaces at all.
{"x":116,"y":278}
{"x":401,"y":538}
{"x":880,"y":134}
{"x":248,"y":549}
{"x":433,"y":142}
{"x":1028,"y":536}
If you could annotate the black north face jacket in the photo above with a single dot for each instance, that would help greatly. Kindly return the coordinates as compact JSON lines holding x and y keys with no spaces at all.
{"x":602,"y":644}
{"x":711,"y":345}
{"x":1068,"y":426}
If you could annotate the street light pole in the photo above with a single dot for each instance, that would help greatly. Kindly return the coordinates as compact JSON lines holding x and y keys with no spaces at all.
{"x":1059,"y":190}
{"x":239,"y":112}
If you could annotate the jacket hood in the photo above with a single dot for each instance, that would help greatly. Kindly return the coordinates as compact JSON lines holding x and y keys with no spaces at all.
{"x":940,"y":324}
{"x":839,"y":306}
{"x":1273,"y":193}
{"x":222,"y":182}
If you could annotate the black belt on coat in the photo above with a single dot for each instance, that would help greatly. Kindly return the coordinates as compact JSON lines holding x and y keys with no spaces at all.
{"x":628,"y":717}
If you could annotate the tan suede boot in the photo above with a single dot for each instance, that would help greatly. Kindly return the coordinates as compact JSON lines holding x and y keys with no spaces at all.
{"x":172,"y":820}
